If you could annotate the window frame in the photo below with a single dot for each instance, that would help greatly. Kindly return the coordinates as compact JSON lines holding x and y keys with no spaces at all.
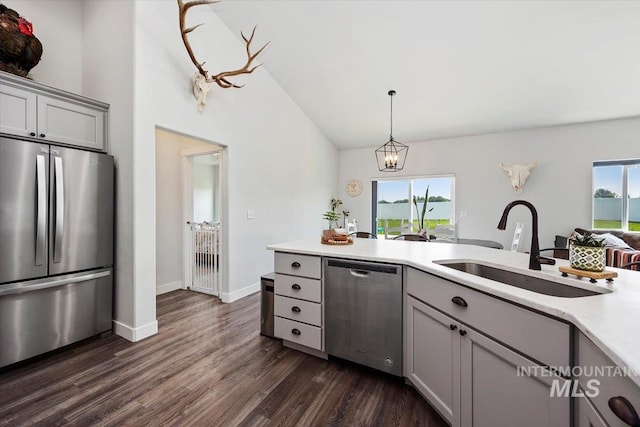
{"x":624,"y":217}
{"x":410,"y":179}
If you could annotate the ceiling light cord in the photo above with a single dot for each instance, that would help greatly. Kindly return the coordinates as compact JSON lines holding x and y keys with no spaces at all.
{"x":391,"y":93}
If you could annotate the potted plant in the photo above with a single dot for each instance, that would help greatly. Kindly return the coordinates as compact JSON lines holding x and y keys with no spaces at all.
{"x":422,"y":230}
{"x":332,"y":216}
{"x":586,"y":252}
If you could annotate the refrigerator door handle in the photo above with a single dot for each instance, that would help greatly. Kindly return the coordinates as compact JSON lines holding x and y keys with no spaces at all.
{"x":41,"y":207}
{"x":20,"y":288}
{"x":59,"y":224}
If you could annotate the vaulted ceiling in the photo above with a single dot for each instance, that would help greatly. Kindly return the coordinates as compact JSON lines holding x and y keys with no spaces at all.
{"x":459,"y":67}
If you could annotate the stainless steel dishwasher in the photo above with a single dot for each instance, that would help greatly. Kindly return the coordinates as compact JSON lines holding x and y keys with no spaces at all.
{"x":363,"y":313}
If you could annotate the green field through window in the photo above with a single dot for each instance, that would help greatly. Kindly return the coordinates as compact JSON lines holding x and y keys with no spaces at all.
{"x":614,"y":225}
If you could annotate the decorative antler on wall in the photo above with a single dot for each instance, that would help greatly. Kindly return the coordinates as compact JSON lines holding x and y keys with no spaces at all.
{"x":201,"y":80}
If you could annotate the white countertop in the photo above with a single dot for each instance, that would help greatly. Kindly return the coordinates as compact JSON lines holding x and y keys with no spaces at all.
{"x":610,"y":320}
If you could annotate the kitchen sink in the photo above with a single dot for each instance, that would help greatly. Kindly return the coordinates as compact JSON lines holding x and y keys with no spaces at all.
{"x":523,"y":281}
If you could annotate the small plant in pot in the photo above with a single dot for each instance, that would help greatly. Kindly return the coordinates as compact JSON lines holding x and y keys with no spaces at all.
{"x":332,"y":216}
{"x":586,"y":252}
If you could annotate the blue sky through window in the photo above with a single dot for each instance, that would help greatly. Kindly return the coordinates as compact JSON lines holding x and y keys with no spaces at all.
{"x":610,"y":178}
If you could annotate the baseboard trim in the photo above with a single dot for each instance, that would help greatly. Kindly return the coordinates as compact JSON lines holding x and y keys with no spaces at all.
{"x":168,"y":287}
{"x":240,"y":293}
{"x":135,"y":334}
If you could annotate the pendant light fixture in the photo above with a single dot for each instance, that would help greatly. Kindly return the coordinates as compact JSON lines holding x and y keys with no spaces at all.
{"x":392,"y":155}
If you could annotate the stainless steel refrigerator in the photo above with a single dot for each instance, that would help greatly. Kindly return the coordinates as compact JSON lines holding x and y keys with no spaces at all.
{"x":56,"y":247}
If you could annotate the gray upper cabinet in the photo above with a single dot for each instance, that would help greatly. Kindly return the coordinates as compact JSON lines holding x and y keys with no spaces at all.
{"x":17,"y":111}
{"x":31,"y":110}
{"x":71,"y":123}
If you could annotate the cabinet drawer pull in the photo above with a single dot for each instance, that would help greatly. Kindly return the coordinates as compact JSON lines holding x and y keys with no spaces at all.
{"x":42,"y":135}
{"x":295,"y":287}
{"x":459,"y":301}
{"x":624,"y":410}
{"x":295,"y":264}
{"x":462,"y":332}
{"x":32,"y":134}
{"x":295,"y":309}
{"x":453,"y":327}
{"x":295,"y":331}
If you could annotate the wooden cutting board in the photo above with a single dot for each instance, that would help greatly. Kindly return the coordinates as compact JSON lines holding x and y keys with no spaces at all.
{"x":592,"y":275}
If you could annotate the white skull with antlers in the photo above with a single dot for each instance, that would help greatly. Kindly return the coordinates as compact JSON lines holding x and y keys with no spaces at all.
{"x":202,"y":82}
{"x":518,"y":174}
{"x":201,"y":88}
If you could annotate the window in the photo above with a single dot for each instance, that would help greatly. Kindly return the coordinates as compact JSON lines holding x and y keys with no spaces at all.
{"x":616,"y":195}
{"x":393,"y":209}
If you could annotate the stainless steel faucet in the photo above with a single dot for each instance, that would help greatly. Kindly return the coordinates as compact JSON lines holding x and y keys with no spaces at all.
{"x":534,"y":253}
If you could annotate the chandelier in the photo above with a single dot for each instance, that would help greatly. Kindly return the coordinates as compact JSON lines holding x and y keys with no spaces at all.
{"x":392,"y":155}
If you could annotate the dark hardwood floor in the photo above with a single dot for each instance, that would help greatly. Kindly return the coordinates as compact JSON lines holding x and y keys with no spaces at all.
{"x":208,"y":365}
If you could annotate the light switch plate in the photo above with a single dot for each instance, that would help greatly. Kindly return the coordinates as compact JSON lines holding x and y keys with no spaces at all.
{"x":251,"y":214}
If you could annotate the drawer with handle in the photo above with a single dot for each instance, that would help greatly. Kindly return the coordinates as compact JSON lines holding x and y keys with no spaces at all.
{"x":540,"y":337}
{"x":298,"y":287}
{"x":299,"y":310}
{"x":299,"y":333}
{"x":298,"y":265}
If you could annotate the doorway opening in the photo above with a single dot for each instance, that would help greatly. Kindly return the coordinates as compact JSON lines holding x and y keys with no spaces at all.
{"x":190,"y":253}
{"x":203,"y":261}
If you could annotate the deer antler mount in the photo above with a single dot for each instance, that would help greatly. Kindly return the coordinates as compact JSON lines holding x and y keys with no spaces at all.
{"x":202,"y":80}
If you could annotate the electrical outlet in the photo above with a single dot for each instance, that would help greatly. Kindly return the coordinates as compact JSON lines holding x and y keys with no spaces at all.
{"x":464,"y":214}
{"x":251,"y":214}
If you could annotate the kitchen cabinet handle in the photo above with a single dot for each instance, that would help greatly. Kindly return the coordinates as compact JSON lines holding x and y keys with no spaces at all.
{"x":295,"y":287}
{"x":462,"y":332}
{"x":295,"y":309}
{"x":32,"y":134}
{"x":453,"y":327}
{"x":295,"y":264}
{"x":42,"y":135}
{"x":295,"y":331}
{"x":459,"y":301}
{"x":624,"y":410}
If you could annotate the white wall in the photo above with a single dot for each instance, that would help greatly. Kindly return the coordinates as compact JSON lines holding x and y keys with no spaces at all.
{"x":277,"y":162}
{"x":58,"y":26}
{"x":107,"y":75}
{"x":560,"y":187}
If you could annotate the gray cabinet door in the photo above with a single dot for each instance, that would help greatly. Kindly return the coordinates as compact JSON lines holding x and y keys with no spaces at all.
{"x":81,"y":210}
{"x":23,"y":209}
{"x":493,"y":394}
{"x":433,"y":358}
{"x":71,"y":123}
{"x":586,"y":414}
{"x":17,"y":111}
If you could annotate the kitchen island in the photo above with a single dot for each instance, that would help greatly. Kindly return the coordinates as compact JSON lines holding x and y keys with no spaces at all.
{"x":607,"y":319}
